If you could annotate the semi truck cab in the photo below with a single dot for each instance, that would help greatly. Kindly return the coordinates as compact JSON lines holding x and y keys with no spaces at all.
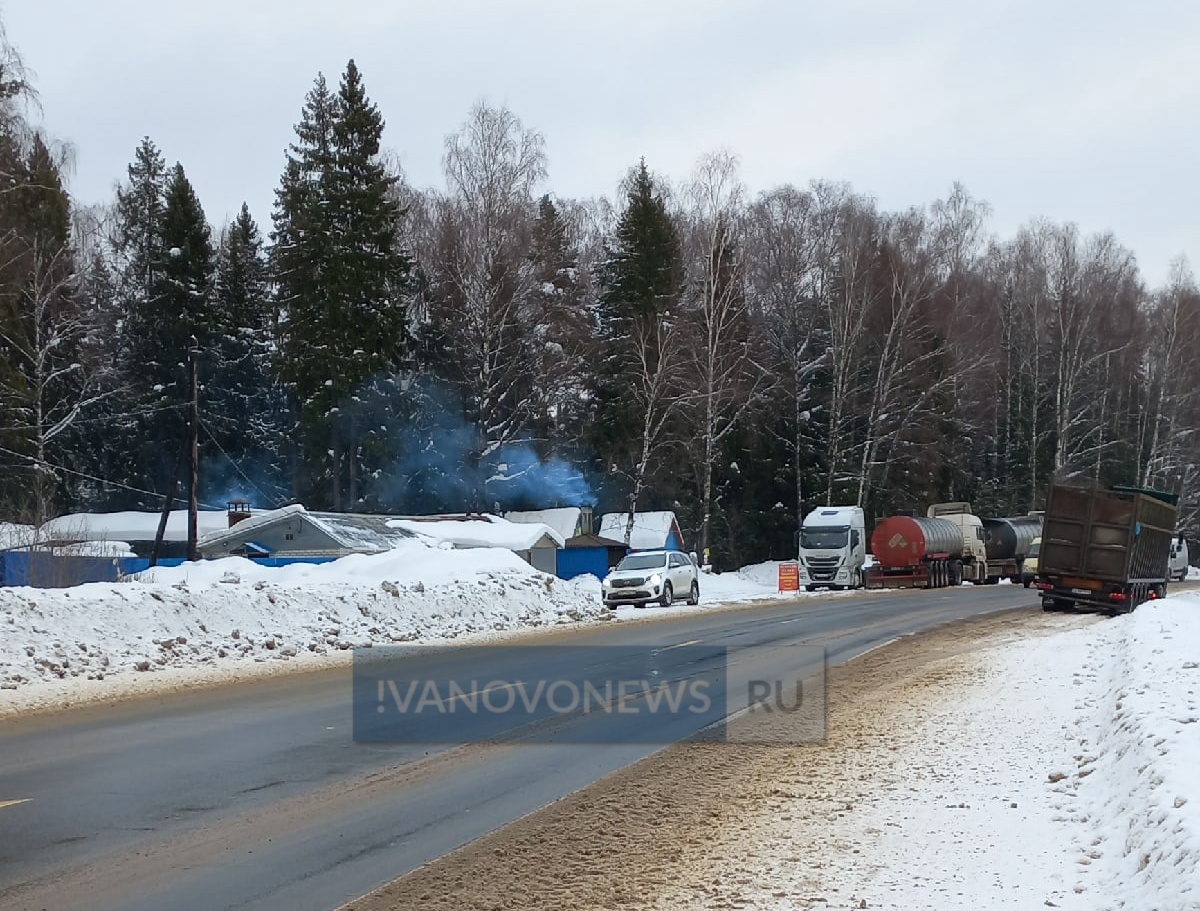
{"x":1178,"y":565}
{"x":833,"y":548}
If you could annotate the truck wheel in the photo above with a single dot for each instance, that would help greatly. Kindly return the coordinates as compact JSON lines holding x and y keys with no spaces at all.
{"x":858,"y":579}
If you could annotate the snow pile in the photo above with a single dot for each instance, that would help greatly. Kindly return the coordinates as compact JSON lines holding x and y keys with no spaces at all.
{"x":1059,"y":767}
{"x":1138,"y":780}
{"x":759,"y":580}
{"x":228,"y":612}
{"x":95,"y":549}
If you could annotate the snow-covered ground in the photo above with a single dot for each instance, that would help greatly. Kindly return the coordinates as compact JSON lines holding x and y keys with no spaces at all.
{"x":1050,"y":771}
{"x":225,"y":619}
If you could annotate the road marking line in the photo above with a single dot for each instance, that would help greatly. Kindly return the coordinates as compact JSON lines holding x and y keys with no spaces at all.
{"x":667,"y":648}
{"x":13,"y":803}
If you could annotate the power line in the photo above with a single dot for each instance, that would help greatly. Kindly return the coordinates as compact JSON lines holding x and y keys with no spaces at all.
{"x":88,"y":477}
{"x":238,"y":468}
{"x":103,"y":418}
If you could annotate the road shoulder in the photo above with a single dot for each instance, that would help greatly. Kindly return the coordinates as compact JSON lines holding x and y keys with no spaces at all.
{"x":721,"y":825}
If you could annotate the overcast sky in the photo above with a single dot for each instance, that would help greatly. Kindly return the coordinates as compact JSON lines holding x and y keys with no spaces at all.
{"x":1077,"y":110}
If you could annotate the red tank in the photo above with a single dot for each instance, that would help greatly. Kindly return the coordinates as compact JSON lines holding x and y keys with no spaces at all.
{"x":901,"y":541}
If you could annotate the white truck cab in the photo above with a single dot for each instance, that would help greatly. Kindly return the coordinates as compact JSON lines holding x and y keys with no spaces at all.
{"x":833,"y":548}
{"x":1177,"y":568}
{"x":974,"y":553}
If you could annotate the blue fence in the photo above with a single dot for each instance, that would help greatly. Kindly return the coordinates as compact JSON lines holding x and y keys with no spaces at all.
{"x":41,"y":569}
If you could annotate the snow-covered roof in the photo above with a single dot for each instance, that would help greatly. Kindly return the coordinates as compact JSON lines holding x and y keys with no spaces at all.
{"x":14,"y":535}
{"x":131,"y":526}
{"x":650,"y":529}
{"x":481,"y":531}
{"x":359,"y":532}
{"x":253,"y":523}
{"x":352,"y":531}
{"x":563,"y":519}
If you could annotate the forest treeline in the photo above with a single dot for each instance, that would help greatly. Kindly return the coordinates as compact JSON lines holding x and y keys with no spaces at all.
{"x":739,"y":358}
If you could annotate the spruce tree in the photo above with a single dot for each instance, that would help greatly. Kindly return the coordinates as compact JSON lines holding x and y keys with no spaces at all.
{"x":40,"y":326}
{"x":341,"y":277}
{"x":166,"y":248}
{"x":243,"y":404}
{"x":137,"y":239}
{"x":638,"y":390}
{"x":185,"y":281}
{"x":562,"y":333}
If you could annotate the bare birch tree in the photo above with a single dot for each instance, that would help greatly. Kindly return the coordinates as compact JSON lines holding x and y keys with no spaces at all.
{"x":725,"y":367}
{"x":784,"y":290}
{"x":476,"y":249}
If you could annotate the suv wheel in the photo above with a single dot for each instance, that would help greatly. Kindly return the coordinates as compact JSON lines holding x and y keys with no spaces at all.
{"x":668,"y":595}
{"x":694,"y":594}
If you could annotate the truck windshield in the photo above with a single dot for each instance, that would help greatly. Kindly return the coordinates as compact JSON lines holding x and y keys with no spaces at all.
{"x":823,"y":538}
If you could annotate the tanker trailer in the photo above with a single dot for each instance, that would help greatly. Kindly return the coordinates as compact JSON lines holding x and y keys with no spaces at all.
{"x":1008,"y":542}
{"x":916,"y":552}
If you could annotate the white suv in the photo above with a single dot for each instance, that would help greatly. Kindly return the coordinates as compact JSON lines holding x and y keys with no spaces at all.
{"x":652,"y":575}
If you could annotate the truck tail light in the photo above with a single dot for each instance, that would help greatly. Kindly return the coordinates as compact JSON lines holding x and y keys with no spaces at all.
{"x":1118,"y":596}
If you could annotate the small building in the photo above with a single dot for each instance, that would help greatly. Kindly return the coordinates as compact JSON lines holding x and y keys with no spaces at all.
{"x":589,"y":555}
{"x":293,"y":531}
{"x":585,"y":552}
{"x":651,"y":530}
{"x":134,"y":528}
{"x":535,"y":543}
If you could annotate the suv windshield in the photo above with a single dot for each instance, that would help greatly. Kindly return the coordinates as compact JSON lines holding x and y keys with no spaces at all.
{"x":823,"y":538}
{"x":643,"y":561}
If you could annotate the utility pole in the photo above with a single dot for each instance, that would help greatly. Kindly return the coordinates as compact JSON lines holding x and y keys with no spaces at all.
{"x":194,"y":467}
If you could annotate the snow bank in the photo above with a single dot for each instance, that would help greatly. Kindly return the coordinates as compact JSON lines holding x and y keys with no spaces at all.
{"x":227,"y":618}
{"x":1057,"y":766}
{"x":1139,"y":776}
{"x":229,"y":613}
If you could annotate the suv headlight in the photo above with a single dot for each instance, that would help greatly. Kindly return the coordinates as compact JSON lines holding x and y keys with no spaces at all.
{"x":655,"y":580}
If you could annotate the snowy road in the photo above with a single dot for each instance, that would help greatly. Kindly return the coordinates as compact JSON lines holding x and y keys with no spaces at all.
{"x":256,"y":797}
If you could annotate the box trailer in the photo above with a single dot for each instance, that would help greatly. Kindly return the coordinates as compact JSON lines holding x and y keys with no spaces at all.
{"x":1105,"y":549}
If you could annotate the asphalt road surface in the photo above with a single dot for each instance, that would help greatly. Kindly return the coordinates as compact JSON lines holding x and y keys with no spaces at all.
{"x":256,"y":796}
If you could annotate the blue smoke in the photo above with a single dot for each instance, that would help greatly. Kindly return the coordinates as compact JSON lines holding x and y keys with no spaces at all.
{"x":522,"y":478}
{"x":436,"y":464}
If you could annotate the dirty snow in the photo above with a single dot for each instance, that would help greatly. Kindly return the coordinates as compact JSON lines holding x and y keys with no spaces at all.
{"x":229,"y":618}
{"x":1051,"y":771}
{"x":217,"y":617}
